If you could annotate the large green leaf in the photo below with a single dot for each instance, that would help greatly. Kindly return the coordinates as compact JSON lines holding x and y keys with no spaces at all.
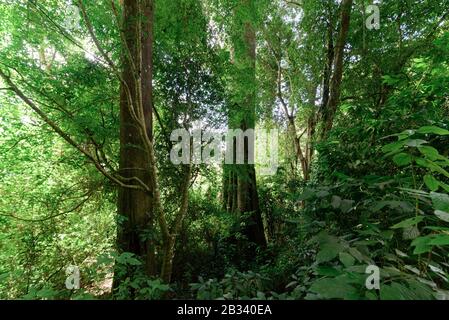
{"x":394,"y":291}
{"x":328,"y":251}
{"x":419,"y":291}
{"x":434,"y":130}
{"x":440,"y":240}
{"x":440,"y":201}
{"x":422,"y":244}
{"x":415,"y":142}
{"x":431,"y":182}
{"x":442,"y":215}
{"x":334,"y":288}
{"x":346,"y":259}
{"x":402,"y":159}
{"x":327,"y":271}
{"x":426,"y":163}
{"x":429,"y":152}
{"x":393,"y":147}
{"x":408,"y":222}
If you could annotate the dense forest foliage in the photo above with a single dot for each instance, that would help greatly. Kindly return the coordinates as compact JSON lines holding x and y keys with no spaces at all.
{"x":112,"y":185}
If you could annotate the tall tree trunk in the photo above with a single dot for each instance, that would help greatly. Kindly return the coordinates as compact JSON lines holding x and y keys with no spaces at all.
{"x":147,"y":9}
{"x":335,"y":86}
{"x":310,"y":132}
{"x":330,"y":53}
{"x":242,"y":188}
{"x":135,"y":206}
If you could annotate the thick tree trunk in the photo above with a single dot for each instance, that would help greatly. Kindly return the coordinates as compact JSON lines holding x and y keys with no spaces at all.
{"x":335,"y":86}
{"x":135,"y":206}
{"x":242,"y":193}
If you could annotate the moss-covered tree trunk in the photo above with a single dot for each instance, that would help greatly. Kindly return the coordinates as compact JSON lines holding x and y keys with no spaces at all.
{"x":240,"y":179}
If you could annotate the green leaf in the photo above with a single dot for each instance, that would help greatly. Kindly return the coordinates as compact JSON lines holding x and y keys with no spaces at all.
{"x":422,"y":244}
{"x":410,"y":233}
{"x":426,"y":163}
{"x":444,"y":186}
{"x":434,"y":130}
{"x":442,"y":215}
{"x":390,"y":80}
{"x":346,"y":205}
{"x":392,"y":147}
{"x":405,"y":134}
{"x":336,"y":202}
{"x":429,"y":152}
{"x":440,"y":201}
{"x":261,"y":295}
{"x":358,"y":255}
{"x":431,"y":182}
{"x":408,"y":222}
{"x":415,"y":142}
{"x":328,"y":252}
{"x":420,"y":291}
{"x":422,"y":162}
{"x":402,"y":159}
{"x":306,"y":195}
{"x":370,"y":295}
{"x":333,"y":288}
{"x":394,"y":291}
{"x":327,"y":271}
{"x":4,"y":276}
{"x":422,"y":248}
{"x":440,"y":240}
{"x":401,"y":205}
{"x":346,"y":259}
{"x":128,"y":258}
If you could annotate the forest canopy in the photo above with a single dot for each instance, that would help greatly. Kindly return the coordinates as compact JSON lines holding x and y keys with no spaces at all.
{"x":224,"y":149}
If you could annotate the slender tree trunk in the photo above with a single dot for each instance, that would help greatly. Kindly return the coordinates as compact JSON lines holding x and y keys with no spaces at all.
{"x":335,"y":86}
{"x":167,"y":262}
{"x":169,"y":241}
{"x":328,"y":66}
{"x":310,"y":132}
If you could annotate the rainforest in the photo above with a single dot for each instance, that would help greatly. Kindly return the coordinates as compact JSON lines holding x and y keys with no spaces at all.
{"x":224,"y":149}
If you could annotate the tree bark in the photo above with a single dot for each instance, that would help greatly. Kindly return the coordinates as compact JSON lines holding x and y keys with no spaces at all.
{"x":242,"y":192}
{"x":170,"y":241}
{"x":335,"y":86}
{"x":328,"y":66}
{"x":135,"y":206}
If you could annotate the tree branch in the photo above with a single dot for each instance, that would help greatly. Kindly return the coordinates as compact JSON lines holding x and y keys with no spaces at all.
{"x":117,"y":179}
